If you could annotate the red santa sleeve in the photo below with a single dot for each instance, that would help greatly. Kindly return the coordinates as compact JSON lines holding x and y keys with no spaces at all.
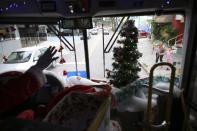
{"x":17,"y":90}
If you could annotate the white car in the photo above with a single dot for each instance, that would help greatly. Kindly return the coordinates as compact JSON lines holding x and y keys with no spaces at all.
{"x":106,"y":32}
{"x":94,"y":31}
{"x":23,"y":59}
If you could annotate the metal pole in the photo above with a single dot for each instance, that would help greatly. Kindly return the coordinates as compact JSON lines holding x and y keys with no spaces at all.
{"x":75,"y":53}
{"x":64,"y":38}
{"x":59,"y":34}
{"x":169,"y":99}
{"x":61,"y":40}
{"x":114,"y":32}
{"x":86,"y":52}
{"x":103,"y":50}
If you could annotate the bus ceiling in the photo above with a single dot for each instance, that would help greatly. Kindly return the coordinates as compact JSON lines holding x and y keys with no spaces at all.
{"x":50,"y":11}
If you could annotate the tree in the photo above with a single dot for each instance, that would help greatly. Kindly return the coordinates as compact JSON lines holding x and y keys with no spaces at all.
{"x":113,"y":23}
{"x":125,"y":56}
{"x":163,"y":31}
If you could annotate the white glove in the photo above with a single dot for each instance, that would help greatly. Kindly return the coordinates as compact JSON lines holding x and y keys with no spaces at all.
{"x":45,"y":60}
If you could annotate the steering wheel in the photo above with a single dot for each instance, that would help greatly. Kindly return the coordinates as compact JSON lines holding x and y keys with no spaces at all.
{"x":51,"y":88}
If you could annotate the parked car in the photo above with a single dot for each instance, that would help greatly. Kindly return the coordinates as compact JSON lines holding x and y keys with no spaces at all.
{"x":23,"y":59}
{"x":106,"y":32}
{"x":142,"y":33}
{"x":94,"y":32}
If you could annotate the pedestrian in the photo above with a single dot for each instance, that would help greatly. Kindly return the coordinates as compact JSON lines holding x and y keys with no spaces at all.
{"x":169,"y":55}
{"x":160,"y":51}
{"x":156,"y":48}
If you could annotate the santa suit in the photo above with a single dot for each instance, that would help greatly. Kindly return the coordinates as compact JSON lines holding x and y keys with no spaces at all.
{"x":17,"y":90}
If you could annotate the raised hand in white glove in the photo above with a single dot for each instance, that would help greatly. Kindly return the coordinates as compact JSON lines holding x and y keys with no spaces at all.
{"x":45,"y":60}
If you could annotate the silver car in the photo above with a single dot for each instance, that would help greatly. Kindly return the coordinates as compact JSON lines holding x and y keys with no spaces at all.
{"x":23,"y":59}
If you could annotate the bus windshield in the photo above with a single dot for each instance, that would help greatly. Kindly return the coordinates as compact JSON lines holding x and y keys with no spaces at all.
{"x":103,"y":38}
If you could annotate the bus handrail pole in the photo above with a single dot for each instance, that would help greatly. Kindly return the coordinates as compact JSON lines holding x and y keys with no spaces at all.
{"x":59,"y":38}
{"x":75,"y":53}
{"x":114,"y":34}
{"x":86,"y":52}
{"x":170,"y":94}
{"x":65,"y":39}
{"x":114,"y":40}
{"x":103,"y":50}
{"x":113,"y":43}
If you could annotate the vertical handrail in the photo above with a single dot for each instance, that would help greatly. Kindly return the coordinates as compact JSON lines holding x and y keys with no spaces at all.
{"x":170,"y":94}
{"x":103,"y":50}
{"x":75,"y":53}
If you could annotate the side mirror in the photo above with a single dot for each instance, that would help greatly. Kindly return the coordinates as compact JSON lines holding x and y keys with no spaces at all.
{"x":5,"y":58}
{"x":35,"y":58}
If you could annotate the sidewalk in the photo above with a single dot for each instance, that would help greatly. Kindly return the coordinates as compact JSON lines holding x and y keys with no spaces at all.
{"x":148,"y":58}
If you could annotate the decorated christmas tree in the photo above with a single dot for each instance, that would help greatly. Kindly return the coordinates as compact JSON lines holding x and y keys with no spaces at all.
{"x":125,"y":66}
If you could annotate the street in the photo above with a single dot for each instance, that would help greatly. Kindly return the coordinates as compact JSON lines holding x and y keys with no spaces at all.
{"x":95,"y":47}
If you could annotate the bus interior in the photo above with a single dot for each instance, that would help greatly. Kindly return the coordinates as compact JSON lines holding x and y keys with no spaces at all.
{"x":86,"y":34}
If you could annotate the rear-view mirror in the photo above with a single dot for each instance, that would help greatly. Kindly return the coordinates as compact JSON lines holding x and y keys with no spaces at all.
{"x":5,"y":58}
